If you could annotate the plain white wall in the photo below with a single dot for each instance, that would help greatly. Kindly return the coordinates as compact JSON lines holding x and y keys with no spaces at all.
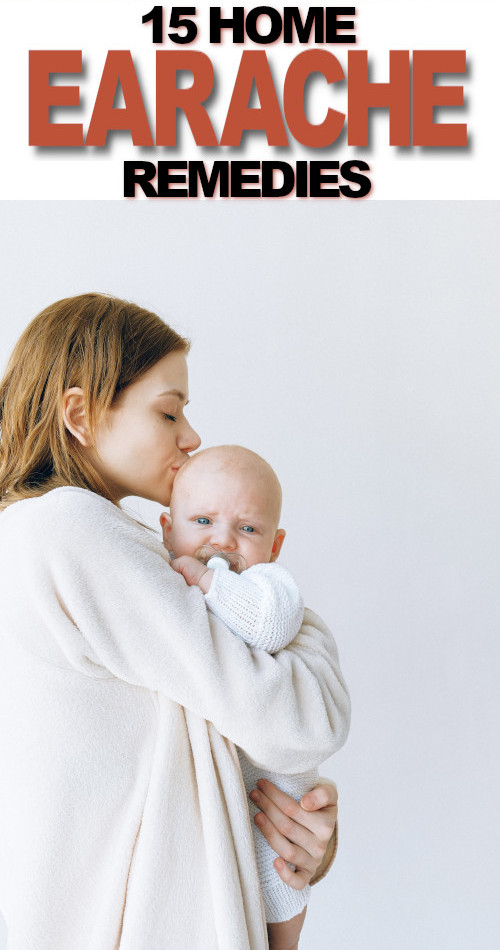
{"x":356,"y":347}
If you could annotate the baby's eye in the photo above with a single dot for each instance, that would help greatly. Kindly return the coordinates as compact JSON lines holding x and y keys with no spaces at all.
{"x":202,"y":520}
{"x":248,"y":528}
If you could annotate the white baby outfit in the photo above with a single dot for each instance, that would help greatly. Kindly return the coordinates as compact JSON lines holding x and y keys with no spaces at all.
{"x":123,"y":814}
{"x":263,"y":605}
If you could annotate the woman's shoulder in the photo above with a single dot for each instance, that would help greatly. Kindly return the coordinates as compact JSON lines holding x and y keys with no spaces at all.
{"x":60,"y":502}
{"x":67,"y":513}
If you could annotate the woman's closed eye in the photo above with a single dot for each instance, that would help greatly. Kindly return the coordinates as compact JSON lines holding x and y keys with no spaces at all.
{"x":168,"y":416}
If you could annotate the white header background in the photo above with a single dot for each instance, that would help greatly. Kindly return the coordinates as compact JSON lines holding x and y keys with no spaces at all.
{"x":381,"y":25}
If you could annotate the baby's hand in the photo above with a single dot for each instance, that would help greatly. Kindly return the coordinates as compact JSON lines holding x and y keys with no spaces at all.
{"x":194,"y":572}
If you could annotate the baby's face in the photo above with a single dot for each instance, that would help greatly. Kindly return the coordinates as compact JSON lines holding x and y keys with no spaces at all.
{"x":234,"y":511}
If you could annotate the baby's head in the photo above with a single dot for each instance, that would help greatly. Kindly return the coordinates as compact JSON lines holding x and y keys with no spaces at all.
{"x":227,"y":497}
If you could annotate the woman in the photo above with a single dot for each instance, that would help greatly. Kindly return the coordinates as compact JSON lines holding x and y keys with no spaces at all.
{"x":123,"y":814}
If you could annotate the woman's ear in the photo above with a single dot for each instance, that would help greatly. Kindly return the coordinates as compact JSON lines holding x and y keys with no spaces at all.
{"x":74,"y":418}
{"x":279,"y":537}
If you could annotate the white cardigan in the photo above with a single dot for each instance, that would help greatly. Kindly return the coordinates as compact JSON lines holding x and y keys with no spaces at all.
{"x":123,"y":820}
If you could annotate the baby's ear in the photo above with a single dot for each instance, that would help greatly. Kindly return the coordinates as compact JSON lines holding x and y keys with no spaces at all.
{"x":279,"y":537}
{"x":166,"y":525}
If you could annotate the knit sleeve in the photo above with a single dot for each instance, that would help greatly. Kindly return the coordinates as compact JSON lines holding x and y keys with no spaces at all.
{"x":106,"y":593}
{"x":262,"y":605}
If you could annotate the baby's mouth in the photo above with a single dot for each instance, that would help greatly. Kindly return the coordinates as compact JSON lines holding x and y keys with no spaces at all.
{"x":235,"y":562}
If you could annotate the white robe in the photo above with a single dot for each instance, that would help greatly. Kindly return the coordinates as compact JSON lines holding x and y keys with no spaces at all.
{"x":123,"y":820}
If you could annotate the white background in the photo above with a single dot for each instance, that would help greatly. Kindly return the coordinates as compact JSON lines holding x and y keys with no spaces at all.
{"x":356,"y":348}
{"x":94,"y":26}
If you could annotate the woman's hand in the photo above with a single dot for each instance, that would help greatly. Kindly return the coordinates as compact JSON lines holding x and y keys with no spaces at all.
{"x":301,"y":833}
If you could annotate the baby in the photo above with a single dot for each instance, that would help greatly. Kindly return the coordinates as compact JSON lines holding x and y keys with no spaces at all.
{"x":230,"y":499}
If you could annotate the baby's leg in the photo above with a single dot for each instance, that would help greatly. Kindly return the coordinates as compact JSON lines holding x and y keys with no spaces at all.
{"x":281,"y":901}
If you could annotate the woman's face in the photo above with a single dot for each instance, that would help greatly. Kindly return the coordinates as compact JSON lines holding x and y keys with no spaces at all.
{"x":144,"y":438}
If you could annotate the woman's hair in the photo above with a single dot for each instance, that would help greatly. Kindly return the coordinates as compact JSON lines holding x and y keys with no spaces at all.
{"x":97,"y":342}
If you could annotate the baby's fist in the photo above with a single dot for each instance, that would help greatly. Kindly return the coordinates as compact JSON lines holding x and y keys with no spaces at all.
{"x":194,"y":572}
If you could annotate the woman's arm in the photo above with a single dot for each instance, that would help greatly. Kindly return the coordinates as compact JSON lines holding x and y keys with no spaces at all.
{"x":115,"y":605}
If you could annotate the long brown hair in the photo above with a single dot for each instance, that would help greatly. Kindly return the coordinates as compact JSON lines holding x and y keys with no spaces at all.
{"x":97,"y":342}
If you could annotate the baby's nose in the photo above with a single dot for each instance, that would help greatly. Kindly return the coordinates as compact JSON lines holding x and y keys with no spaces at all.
{"x":223,"y":538}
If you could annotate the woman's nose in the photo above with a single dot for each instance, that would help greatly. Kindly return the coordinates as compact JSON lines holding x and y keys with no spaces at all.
{"x":188,"y":440}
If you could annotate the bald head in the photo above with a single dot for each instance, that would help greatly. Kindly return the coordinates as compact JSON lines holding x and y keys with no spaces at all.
{"x":229,"y":497}
{"x":234,"y":461}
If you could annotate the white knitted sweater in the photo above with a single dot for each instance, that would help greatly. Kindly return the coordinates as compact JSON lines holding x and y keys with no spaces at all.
{"x":123,"y":818}
{"x":263,"y":605}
